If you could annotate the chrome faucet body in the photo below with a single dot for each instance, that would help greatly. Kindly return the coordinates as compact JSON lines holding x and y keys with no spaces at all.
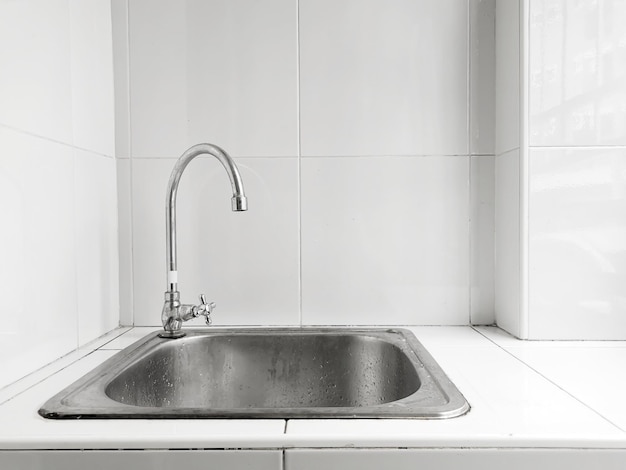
{"x":174,"y":313}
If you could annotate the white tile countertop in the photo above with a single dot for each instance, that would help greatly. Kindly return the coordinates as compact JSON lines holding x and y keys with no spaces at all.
{"x":523,"y":395}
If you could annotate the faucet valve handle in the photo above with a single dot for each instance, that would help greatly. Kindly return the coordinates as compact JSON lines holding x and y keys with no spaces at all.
{"x":205,"y":309}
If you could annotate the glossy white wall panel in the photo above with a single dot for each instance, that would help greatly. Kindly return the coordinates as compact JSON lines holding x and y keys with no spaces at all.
{"x":125,"y":237}
{"x":39,"y":262}
{"x":482,"y":239}
{"x":447,"y":459}
{"x":144,"y":460}
{"x":223,"y":72}
{"x":577,"y":73}
{"x":120,"y":40}
{"x":383,"y":78}
{"x":385,"y":240}
{"x":507,"y":243}
{"x":246,"y":262}
{"x":35,"y":83}
{"x":92,"y":76}
{"x":508,"y":75}
{"x":482,"y":76}
{"x":577,"y":244}
{"x":158,"y":77}
{"x":97,"y":272}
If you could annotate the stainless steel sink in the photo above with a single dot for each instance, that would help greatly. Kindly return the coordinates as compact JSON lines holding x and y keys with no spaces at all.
{"x":265,"y":373}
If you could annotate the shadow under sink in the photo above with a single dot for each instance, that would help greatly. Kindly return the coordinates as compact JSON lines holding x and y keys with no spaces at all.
{"x":265,"y":373}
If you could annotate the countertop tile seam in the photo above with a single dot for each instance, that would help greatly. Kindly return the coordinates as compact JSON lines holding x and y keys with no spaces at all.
{"x":103,"y":346}
{"x":87,"y":352}
{"x":122,"y":332}
{"x":507,"y":351}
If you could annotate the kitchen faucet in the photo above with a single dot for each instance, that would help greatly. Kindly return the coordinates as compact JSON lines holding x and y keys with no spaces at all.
{"x":174,"y":313}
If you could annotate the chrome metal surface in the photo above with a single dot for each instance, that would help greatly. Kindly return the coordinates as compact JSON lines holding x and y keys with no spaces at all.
{"x":266,"y":373}
{"x":174,"y":313}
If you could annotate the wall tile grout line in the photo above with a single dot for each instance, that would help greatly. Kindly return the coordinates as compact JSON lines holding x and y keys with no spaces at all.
{"x":55,"y":141}
{"x":470,"y":222}
{"x":299,"y":137}
{"x":130,"y":171}
{"x":547,"y":378}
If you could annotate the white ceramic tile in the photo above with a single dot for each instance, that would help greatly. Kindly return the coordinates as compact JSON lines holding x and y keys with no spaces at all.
{"x":247,"y":262}
{"x":35,"y":85}
{"x":373,"y":80}
{"x":120,"y":38}
{"x":385,"y":240}
{"x":507,"y":257}
{"x":38,"y":268}
{"x":591,"y":374}
{"x":471,"y":459}
{"x":482,"y":76}
{"x":223,"y":72}
{"x":29,"y":431}
{"x":577,"y":73}
{"x":92,"y":76}
{"x":97,"y":254}
{"x":146,"y":460}
{"x":507,"y":76}
{"x":577,"y":241}
{"x":482,"y":239}
{"x":125,"y":237}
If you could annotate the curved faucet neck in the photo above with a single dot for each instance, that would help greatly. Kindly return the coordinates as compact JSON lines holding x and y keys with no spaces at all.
{"x":238,"y":201}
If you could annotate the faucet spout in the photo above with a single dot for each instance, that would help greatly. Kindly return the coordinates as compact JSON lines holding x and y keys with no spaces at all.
{"x":175,"y":313}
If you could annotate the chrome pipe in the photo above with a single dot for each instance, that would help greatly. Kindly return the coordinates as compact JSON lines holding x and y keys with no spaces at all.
{"x":171,"y":316}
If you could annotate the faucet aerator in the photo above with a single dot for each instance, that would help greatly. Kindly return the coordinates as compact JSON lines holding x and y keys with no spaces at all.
{"x":239,"y":203}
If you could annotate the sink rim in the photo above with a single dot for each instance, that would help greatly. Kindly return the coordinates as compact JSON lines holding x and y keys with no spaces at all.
{"x":86,"y":397}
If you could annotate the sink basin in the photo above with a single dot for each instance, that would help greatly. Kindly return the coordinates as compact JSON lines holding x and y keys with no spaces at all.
{"x":265,"y":373}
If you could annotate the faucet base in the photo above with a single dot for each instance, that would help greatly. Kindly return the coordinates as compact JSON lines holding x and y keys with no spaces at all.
{"x":172,"y":334}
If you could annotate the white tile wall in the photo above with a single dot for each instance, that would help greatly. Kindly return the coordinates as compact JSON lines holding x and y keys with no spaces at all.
{"x":35,"y":85}
{"x":385,"y":240}
{"x":509,"y":182}
{"x":38,"y":269}
{"x":247,"y":262}
{"x":577,"y":243}
{"x":92,"y":76}
{"x":507,"y":117}
{"x":119,"y":19}
{"x":56,"y":126}
{"x":223,"y":72}
{"x":97,"y":272}
{"x":125,"y":237}
{"x":507,"y":257}
{"x":482,"y":239}
{"x":577,"y":143}
{"x":372,"y":78}
{"x":482,"y":76}
{"x":313,"y":79}
{"x":577,"y":73}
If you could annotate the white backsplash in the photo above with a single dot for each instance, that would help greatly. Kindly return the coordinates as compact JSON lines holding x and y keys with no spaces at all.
{"x":351,"y":125}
